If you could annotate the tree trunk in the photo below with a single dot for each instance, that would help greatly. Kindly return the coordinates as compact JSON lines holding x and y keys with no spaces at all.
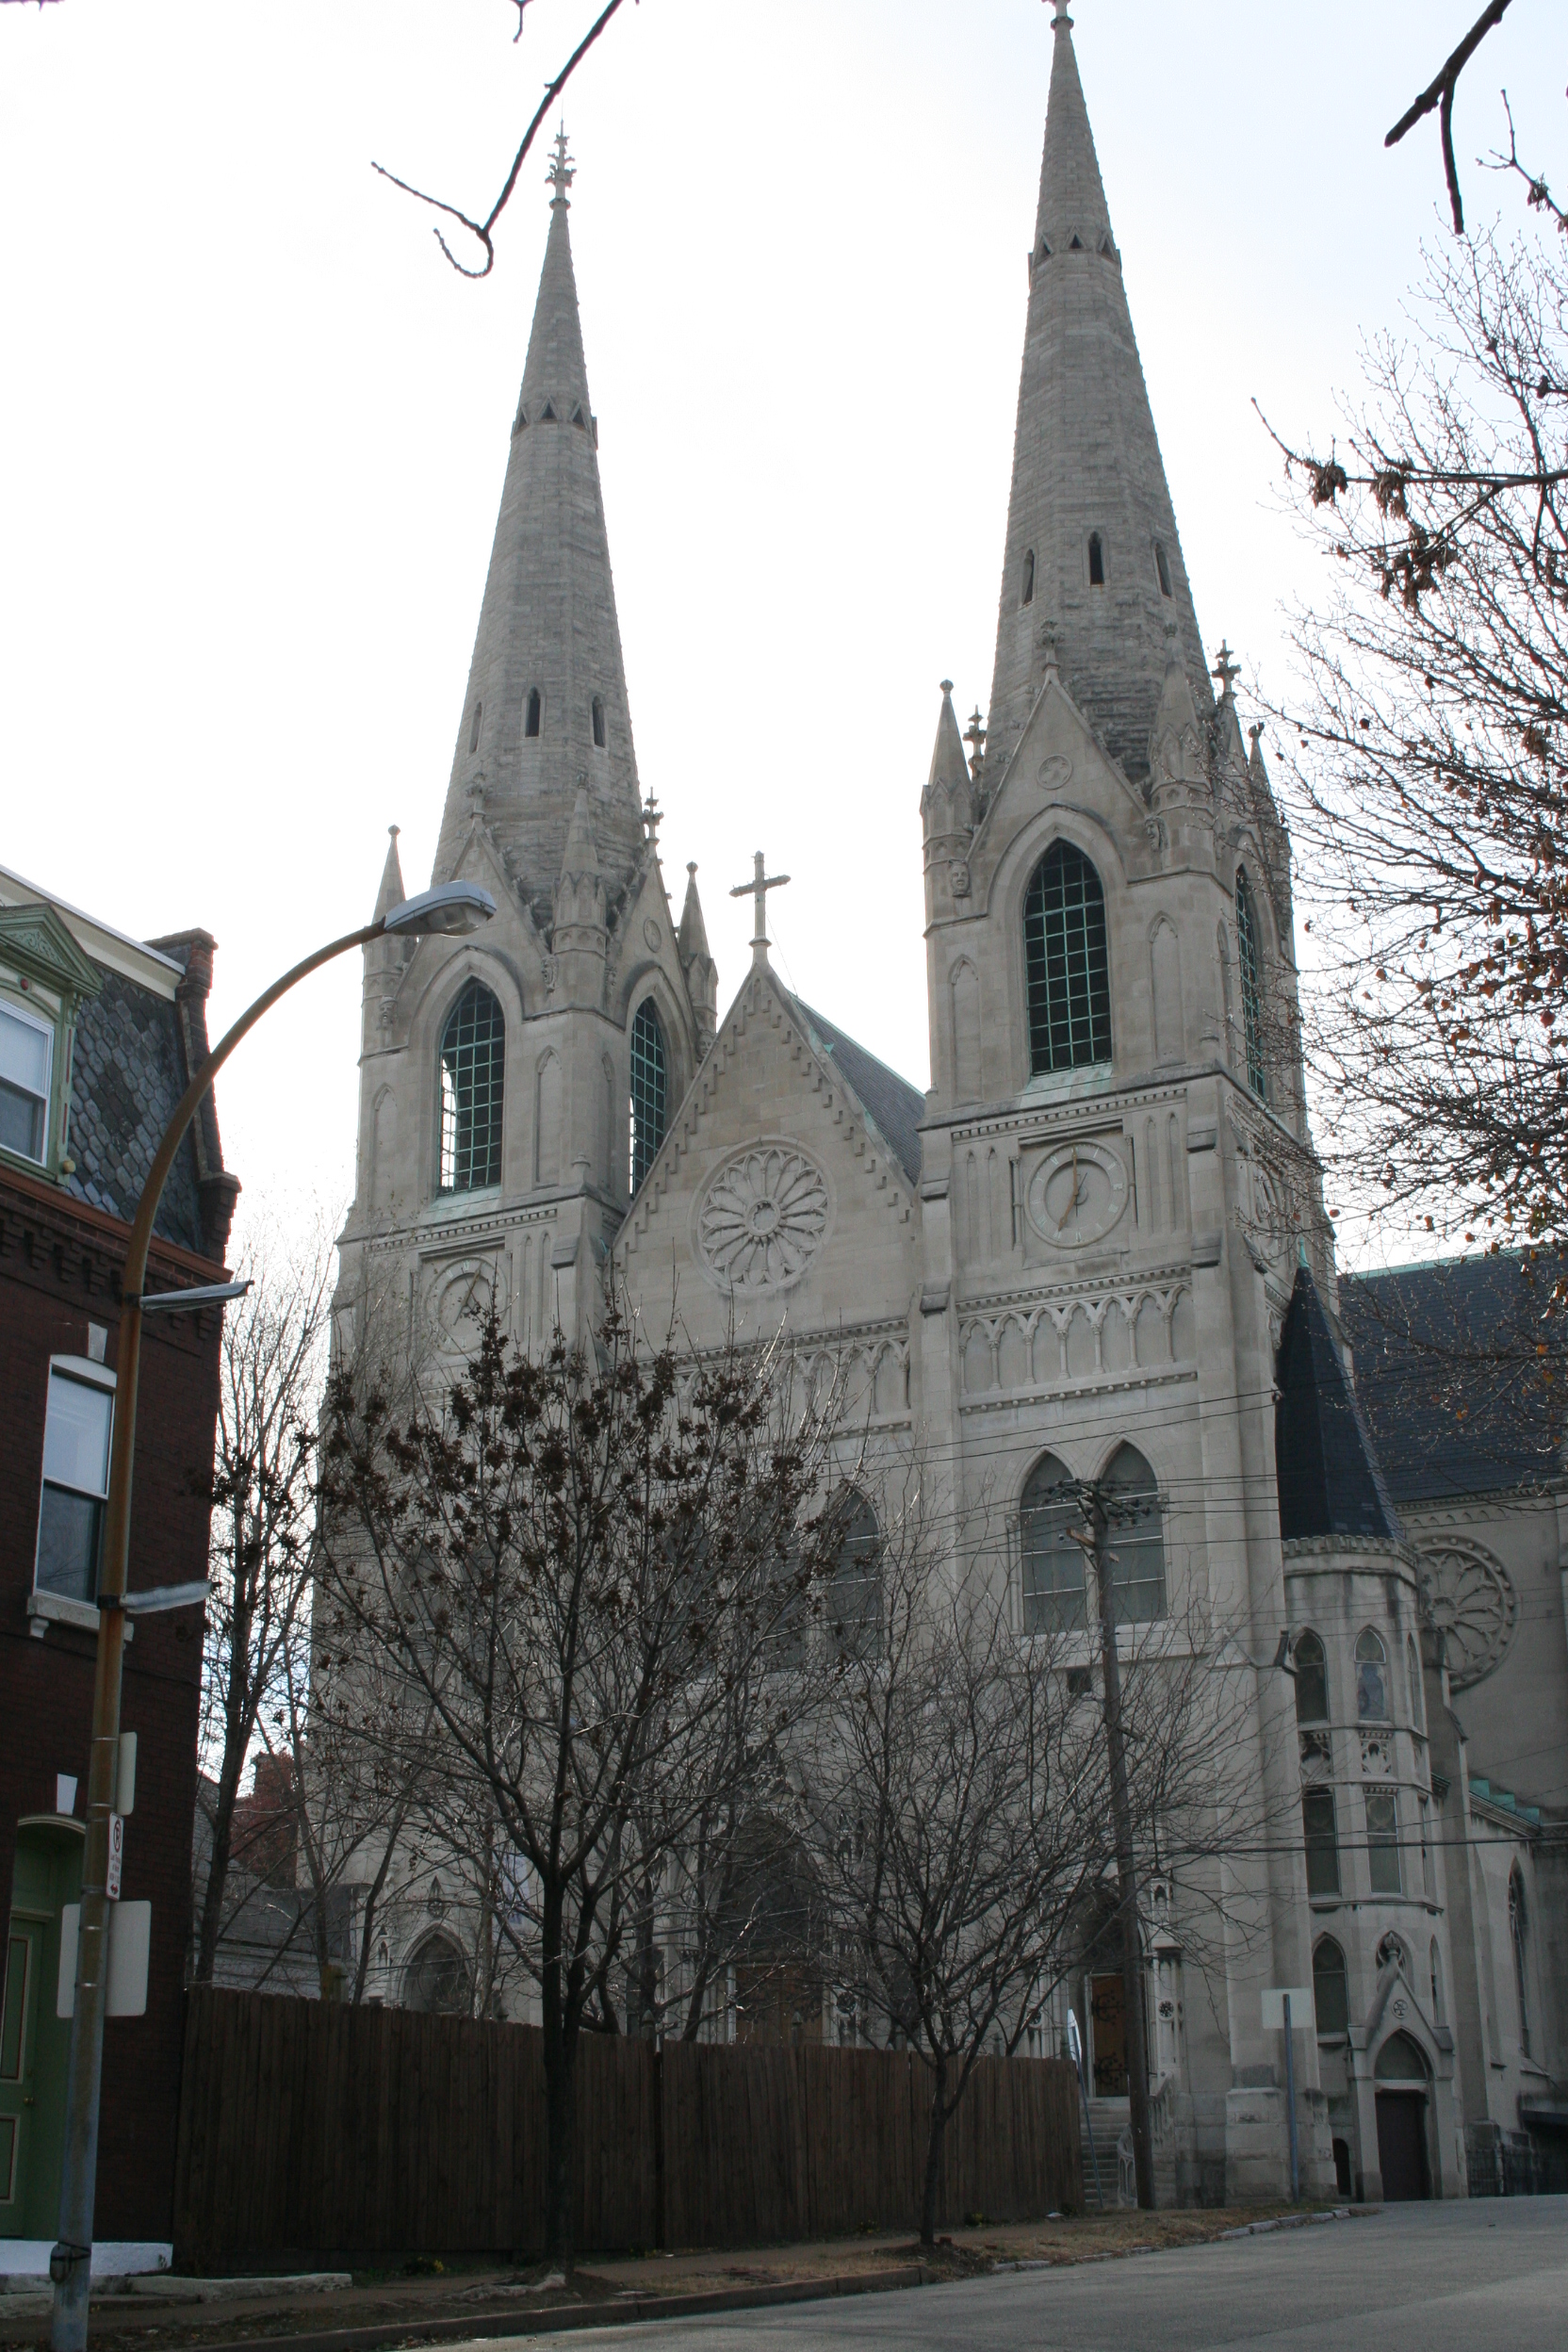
{"x":1126,"y":1871}
{"x":560,"y":2053}
{"x":935,"y":2139}
{"x":218,"y":1873}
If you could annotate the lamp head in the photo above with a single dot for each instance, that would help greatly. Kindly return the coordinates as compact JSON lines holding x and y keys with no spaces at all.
{"x":451,"y":909}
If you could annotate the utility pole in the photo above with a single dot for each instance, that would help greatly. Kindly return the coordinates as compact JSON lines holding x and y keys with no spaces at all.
{"x":1093,"y":1540}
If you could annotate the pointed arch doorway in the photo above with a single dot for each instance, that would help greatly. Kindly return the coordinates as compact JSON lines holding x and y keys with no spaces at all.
{"x":1402,"y":2103}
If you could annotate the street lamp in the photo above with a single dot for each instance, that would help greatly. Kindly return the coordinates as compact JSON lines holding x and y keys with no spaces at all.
{"x":454,"y":908}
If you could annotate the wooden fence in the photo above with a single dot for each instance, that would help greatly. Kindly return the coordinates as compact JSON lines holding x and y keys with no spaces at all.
{"x":309,"y":2129}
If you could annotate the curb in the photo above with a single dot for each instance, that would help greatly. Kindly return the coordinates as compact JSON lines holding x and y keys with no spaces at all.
{"x":559,"y":2319}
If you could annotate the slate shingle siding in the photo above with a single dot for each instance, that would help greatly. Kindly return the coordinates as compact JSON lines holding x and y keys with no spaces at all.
{"x":126,"y":1076}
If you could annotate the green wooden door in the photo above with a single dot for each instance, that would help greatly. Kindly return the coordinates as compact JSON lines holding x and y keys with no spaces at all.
{"x":17,"y":2045}
{"x":34,"y":2044}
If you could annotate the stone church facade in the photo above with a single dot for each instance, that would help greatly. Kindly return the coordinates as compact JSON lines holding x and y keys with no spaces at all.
{"x":1095,"y":1247}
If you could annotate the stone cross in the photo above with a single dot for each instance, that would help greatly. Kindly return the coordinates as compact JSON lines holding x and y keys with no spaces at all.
{"x":757,"y":888}
{"x":1226,"y":668}
{"x":562,"y":172}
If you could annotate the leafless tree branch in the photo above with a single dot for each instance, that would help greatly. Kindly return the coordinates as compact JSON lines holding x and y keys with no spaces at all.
{"x":1440,"y":93}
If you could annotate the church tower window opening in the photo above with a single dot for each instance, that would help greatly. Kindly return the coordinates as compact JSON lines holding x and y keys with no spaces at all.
{"x":1251,"y":998}
{"x":1162,"y":569}
{"x":1311,"y":1680}
{"x":1028,"y":595}
{"x":1330,"y":1987}
{"x":1053,"y":1563}
{"x":1417,"y":1696}
{"x":473,"y":1075}
{"x":532,"y":711}
{"x":1371,"y":1679}
{"x":1320,"y":1834}
{"x":649,"y":1090}
{"x":1097,"y":561}
{"x":1132,"y":1501}
{"x":598,"y":723}
{"x":473,"y":731}
{"x":1382,"y":1842}
{"x":1066,"y":963}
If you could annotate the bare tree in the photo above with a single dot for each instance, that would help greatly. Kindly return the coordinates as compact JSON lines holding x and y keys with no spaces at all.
{"x":271,"y":1370}
{"x":561,"y":1557}
{"x":957,"y":1797}
{"x":1431,"y":758}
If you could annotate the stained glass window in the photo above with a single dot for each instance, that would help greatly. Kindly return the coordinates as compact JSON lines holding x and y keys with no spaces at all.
{"x":1252,"y":997}
{"x":649,"y":1090}
{"x":1066,"y":963}
{"x":473,"y":1071}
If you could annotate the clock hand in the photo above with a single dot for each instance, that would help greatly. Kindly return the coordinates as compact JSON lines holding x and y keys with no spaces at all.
{"x":1073,"y":1196}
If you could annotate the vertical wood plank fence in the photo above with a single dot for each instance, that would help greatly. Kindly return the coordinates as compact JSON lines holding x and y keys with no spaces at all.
{"x":307,"y":2129}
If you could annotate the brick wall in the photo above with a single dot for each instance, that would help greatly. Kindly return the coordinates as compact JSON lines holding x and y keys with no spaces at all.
{"x":58,"y":1271}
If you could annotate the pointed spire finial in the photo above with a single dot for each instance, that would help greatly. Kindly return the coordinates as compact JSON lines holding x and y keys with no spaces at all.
{"x":757,"y":890}
{"x":975,"y":735}
{"x":1061,"y":21}
{"x":563,"y":171}
{"x":653,"y":817}
{"x":1226,"y":668}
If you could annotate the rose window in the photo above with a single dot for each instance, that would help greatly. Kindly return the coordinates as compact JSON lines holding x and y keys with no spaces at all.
{"x":762,"y":1217}
{"x":1472,"y":1602}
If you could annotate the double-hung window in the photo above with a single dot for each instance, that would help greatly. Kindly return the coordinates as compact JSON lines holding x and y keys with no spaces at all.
{"x":76,"y":1479}
{"x":26,"y":1053}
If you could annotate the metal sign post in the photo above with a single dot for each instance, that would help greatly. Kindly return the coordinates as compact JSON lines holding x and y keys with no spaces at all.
{"x":1290,"y":2107}
{"x":1277,"y":2000}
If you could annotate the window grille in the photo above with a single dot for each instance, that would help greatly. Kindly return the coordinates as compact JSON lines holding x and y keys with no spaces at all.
{"x":855,"y":1595}
{"x":75,"y":1483}
{"x":473,"y":1073}
{"x":1251,"y":998}
{"x":1311,"y":1680}
{"x":1053,"y":1563}
{"x":27,"y":1052}
{"x":1134,"y":1535}
{"x":1322,"y":1841}
{"x":1066,"y":963}
{"x":649,"y":1090}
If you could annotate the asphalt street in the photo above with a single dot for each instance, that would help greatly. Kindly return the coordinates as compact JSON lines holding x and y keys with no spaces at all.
{"x":1486,"y":2276}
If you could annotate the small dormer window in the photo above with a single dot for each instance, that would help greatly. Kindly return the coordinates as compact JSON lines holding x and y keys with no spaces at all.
{"x":1075,"y":244}
{"x":531,"y":712}
{"x":598,"y":723}
{"x":579,"y":420}
{"x":473,"y":731}
{"x":1028,"y":595}
{"x":546,"y":415}
{"x":1097,"y":561}
{"x":27,"y":1058}
{"x":1162,"y":568}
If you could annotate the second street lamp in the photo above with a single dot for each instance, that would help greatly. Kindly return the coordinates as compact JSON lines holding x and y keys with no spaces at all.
{"x":453,"y":907}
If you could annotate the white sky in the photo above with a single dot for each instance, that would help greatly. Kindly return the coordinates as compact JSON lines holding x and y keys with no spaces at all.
{"x":254,"y":427}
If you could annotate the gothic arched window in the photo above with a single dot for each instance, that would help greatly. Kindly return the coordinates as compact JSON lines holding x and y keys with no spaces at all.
{"x":1311,"y":1680}
{"x":1371,"y":1679}
{"x":854,"y":1587}
{"x":1331,"y":1986}
{"x":1132,"y":1498}
{"x":1028,"y":595}
{"x":436,"y":1980}
{"x":1066,"y":967}
{"x":1053,"y":1563}
{"x":598,"y":723}
{"x":532,"y":710}
{"x":649,"y":1090}
{"x":473,"y":1076}
{"x":1252,"y":995}
{"x":1518,"y":1926}
{"x":1162,"y":569}
{"x":1097,"y":561}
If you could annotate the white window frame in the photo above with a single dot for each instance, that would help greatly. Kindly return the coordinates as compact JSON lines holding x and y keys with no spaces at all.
{"x":44,"y":1607}
{"x":30,"y":1019}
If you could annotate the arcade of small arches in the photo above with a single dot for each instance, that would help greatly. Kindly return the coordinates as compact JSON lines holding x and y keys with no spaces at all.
{"x":472,"y":1092}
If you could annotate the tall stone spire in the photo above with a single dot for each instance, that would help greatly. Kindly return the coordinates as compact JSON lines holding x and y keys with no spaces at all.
{"x":545,"y":713}
{"x":1091,"y":537}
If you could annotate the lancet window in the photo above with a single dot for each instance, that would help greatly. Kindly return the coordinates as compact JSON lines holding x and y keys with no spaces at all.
{"x":1311,"y":1680}
{"x":649,"y":1090}
{"x":1252,"y":993}
{"x":473,"y":1076}
{"x":532,"y":710}
{"x":1067,"y":965}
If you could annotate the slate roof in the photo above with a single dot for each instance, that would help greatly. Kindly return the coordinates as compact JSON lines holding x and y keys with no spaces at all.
{"x":894,"y":1107}
{"x":1331,"y":1482}
{"x":1449,"y":1373}
{"x":126,"y":1076}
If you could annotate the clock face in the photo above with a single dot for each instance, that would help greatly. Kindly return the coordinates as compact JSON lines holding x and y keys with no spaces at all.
{"x":1077,"y":1193}
{"x":463,"y":1298}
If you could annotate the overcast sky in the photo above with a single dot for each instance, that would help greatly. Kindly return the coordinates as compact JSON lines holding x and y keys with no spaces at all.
{"x":254,"y":427}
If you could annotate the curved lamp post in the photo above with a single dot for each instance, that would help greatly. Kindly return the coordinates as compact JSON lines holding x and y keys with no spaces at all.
{"x":454,"y":908}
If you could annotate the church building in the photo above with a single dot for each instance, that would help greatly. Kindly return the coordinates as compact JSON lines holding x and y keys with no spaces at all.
{"x":1096,"y":1248}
